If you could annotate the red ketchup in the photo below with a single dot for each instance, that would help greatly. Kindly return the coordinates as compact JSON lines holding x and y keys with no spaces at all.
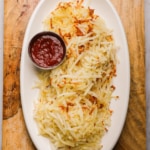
{"x":47,"y":50}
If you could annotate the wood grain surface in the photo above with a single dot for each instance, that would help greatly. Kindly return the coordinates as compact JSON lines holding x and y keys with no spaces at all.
{"x":16,"y":17}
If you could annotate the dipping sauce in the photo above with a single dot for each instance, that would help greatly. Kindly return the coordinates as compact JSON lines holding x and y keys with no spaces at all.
{"x":47,"y":50}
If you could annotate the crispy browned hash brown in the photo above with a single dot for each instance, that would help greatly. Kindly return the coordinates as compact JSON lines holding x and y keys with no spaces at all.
{"x":73,"y":109}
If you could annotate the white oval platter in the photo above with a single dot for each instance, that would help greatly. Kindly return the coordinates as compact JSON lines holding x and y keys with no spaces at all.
{"x":28,"y":74}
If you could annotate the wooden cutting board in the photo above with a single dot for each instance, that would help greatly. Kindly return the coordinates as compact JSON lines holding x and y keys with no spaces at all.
{"x":16,"y":17}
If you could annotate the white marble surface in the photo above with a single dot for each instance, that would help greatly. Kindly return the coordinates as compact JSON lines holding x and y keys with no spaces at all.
{"x":1,"y":67}
{"x":147,"y":33}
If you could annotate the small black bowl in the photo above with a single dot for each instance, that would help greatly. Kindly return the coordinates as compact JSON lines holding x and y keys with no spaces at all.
{"x":47,"y":50}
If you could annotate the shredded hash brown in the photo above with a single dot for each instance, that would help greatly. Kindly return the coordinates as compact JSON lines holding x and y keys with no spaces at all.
{"x":73,"y":109}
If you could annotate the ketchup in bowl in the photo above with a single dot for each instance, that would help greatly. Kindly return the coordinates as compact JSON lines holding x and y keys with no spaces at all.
{"x":47,"y":50}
